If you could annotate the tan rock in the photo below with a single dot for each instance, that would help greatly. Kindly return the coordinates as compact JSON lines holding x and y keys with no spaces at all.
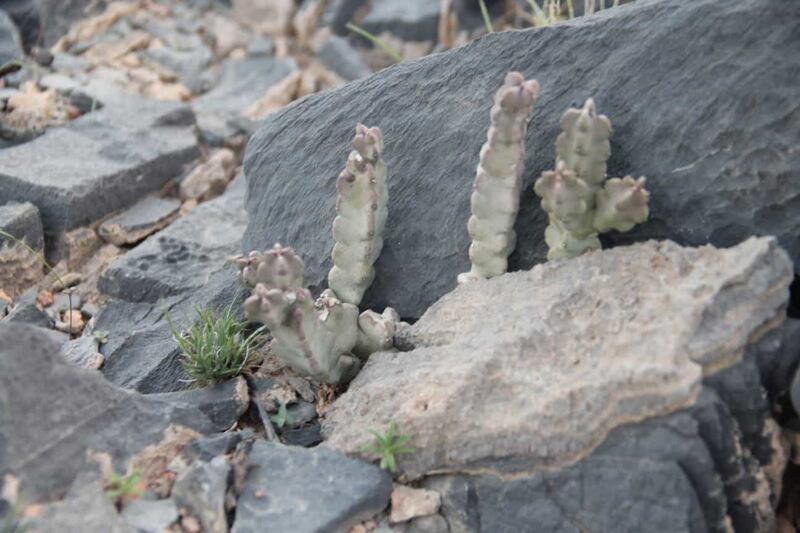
{"x":536,"y":368}
{"x":273,"y":17}
{"x":408,"y":503}
{"x":211,"y":178}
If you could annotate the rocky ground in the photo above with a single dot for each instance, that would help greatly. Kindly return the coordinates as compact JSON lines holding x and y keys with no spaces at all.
{"x":652,"y":386}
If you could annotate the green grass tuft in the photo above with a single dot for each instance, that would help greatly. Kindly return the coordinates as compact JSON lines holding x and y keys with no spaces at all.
{"x":388,"y":446}
{"x":216,"y":347}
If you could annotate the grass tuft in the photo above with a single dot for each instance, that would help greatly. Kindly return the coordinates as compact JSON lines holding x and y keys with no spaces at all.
{"x":216,"y":347}
{"x":388,"y":446}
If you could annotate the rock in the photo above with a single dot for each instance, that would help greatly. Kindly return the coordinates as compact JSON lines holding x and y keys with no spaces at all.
{"x":182,"y":257}
{"x":542,"y":385}
{"x":206,"y":448}
{"x":150,"y":516}
{"x":306,"y":435}
{"x":241,"y":82}
{"x":64,"y":302}
{"x":19,"y":266}
{"x":26,"y":311}
{"x":10,"y":42}
{"x":210,"y":178}
{"x":141,"y":353}
{"x":273,"y":17}
{"x":260,"y":46}
{"x":283,"y":488}
{"x":25,"y":15}
{"x":85,"y":508}
{"x":188,"y":63}
{"x":338,"y":55}
{"x":223,"y":403}
{"x":428,"y":524}
{"x":411,"y":20}
{"x":720,"y":183}
{"x":144,"y":218}
{"x":59,"y":411}
{"x":201,"y":491}
{"x":83,"y":352}
{"x":468,"y":12}
{"x":408,"y":503}
{"x":99,"y":163}
{"x":344,"y":11}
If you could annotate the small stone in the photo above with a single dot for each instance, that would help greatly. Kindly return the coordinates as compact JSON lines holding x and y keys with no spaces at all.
{"x":201,"y":491}
{"x":71,"y":322}
{"x":191,"y":524}
{"x":140,"y":220}
{"x":338,"y":55}
{"x":44,"y":298}
{"x":70,"y":279}
{"x":83,"y":352}
{"x":408,"y":503}
{"x":89,"y":309}
{"x":27,"y":311}
{"x":209,"y":179}
{"x":150,"y":516}
{"x":65,"y":301}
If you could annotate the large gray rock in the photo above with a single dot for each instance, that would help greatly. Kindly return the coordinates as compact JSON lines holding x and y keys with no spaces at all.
{"x":201,"y":490}
{"x":100,"y":162}
{"x":241,"y":83}
{"x":182,"y":257}
{"x":716,"y":143}
{"x":308,"y":491}
{"x":52,"y":412}
{"x":533,"y":387}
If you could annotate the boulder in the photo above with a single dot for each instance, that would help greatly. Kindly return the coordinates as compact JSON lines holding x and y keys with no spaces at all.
{"x":622,"y":388}
{"x":52,"y":412}
{"x":306,"y":491}
{"x":715,"y":134}
{"x":99,"y":163}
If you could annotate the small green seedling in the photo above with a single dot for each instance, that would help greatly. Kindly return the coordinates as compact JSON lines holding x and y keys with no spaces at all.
{"x":217,"y":348}
{"x":281,"y":418}
{"x":122,"y":489}
{"x":101,"y":336}
{"x":388,"y":446}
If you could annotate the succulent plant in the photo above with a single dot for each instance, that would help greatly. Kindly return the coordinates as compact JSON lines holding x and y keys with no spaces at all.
{"x":496,"y":190}
{"x":580,"y":203}
{"x":326,"y":338}
{"x":361,"y":211}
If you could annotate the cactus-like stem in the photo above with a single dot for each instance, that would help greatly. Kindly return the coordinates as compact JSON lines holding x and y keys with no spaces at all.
{"x":578,"y":204}
{"x":276,"y":268}
{"x":315,"y":339}
{"x":583,"y":144}
{"x":495,"y":193}
{"x":376,"y":331}
{"x":361,"y":211}
{"x":621,"y":204}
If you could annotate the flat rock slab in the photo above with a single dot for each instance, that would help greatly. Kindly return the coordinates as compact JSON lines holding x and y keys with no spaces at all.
{"x":183,"y":256}
{"x":308,"y":491}
{"x":140,"y":220}
{"x":715,"y":134}
{"x":99,"y":163}
{"x":52,"y":412}
{"x":533,"y":371}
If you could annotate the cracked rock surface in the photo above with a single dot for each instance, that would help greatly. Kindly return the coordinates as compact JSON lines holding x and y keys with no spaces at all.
{"x":542,"y":385}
